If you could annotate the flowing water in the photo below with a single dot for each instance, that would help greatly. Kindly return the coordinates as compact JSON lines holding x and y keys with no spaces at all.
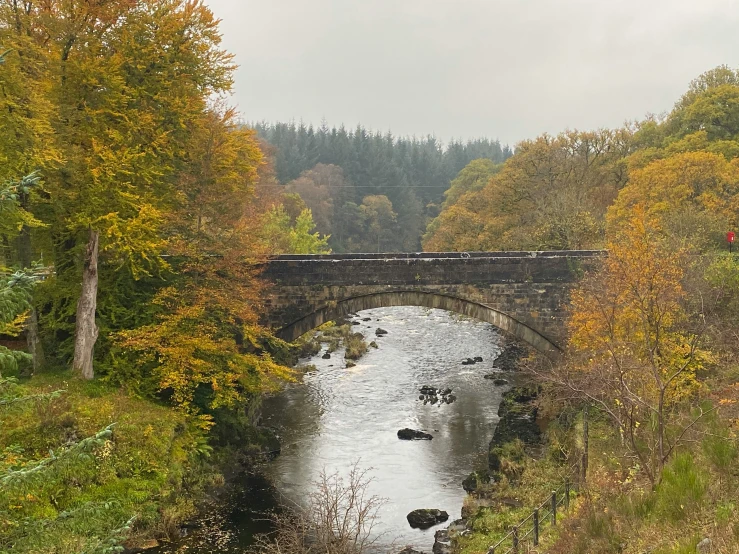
{"x":340,"y":416}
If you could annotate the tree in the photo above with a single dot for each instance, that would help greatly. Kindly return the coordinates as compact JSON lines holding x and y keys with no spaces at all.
{"x":472,"y":178}
{"x":322,"y":188}
{"x":18,"y":221}
{"x":634,"y":350}
{"x":379,"y":221}
{"x":286,"y":237}
{"x":205,"y":348}
{"x":412,"y":173}
{"x":694,"y":196}
{"x":125,"y":79}
{"x":15,"y":301}
{"x":339,"y":518}
{"x":552,"y":194}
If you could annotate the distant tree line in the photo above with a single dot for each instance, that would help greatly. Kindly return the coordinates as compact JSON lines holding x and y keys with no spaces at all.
{"x":369,"y":191}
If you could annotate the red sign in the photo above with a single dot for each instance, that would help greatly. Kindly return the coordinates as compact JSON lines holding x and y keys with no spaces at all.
{"x":730,"y":236}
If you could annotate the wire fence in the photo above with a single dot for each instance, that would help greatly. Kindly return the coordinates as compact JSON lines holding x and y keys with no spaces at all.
{"x":527,"y":532}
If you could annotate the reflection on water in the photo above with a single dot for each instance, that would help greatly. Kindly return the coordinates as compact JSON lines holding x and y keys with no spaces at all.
{"x":342,"y":415}
{"x":338,"y":416}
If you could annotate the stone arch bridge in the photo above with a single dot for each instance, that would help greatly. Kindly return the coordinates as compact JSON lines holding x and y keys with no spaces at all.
{"x":524,"y":294}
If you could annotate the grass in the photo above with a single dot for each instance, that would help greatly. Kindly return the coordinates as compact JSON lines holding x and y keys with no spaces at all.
{"x":336,"y":335}
{"x":619,"y":511}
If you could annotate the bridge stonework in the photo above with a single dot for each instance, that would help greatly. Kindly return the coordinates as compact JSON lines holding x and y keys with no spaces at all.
{"x":525,"y":294}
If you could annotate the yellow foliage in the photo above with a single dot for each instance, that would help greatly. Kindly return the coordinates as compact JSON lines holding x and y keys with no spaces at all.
{"x":631,"y":347}
{"x":692,"y":195}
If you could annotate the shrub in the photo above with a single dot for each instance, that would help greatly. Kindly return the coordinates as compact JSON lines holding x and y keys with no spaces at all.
{"x":338,"y":519}
{"x":682,"y":488}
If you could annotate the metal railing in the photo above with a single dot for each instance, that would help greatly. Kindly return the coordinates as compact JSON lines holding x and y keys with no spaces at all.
{"x":529,"y":529}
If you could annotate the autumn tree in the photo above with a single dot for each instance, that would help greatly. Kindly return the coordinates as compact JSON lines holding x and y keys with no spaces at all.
{"x":552,"y":194}
{"x":205,"y":348}
{"x":323,"y":189}
{"x":472,"y":178}
{"x":379,"y":221}
{"x":693,"y":195}
{"x":124,"y":79}
{"x":635,"y":350}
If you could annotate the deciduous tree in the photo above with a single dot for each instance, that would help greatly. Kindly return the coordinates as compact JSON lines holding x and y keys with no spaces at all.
{"x":635,"y":351}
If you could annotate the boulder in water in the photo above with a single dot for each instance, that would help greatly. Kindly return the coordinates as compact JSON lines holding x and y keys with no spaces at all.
{"x":475,"y":479}
{"x":468,"y":361}
{"x":425,"y":518}
{"x":478,"y":359}
{"x":413,"y":435}
{"x":380,"y":332}
{"x":326,"y":356}
{"x":442,"y":542}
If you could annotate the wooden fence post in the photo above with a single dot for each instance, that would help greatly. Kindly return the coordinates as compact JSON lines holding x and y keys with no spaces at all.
{"x":515,"y":539}
{"x":585,"y":446}
{"x":567,"y":493}
{"x":536,"y":527}
{"x":554,"y":507}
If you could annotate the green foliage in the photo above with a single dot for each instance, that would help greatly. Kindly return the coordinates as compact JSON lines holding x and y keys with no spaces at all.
{"x":719,"y":447}
{"x":74,"y":481}
{"x":15,"y":300}
{"x":682,"y":488}
{"x":472,"y":178}
{"x":287,"y":237}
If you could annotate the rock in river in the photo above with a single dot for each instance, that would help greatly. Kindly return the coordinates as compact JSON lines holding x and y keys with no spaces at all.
{"x":423,"y":519}
{"x":379,"y":332}
{"x":412,"y":435}
{"x":326,"y":356}
{"x":410,"y":550}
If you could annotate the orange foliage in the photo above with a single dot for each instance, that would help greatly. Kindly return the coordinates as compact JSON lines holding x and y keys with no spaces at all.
{"x":633,"y":350}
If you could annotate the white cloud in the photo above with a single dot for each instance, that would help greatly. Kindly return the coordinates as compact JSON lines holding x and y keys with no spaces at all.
{"x":511,"y":69}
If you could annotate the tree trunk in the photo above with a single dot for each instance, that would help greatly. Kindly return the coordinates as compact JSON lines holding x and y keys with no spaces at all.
{"x":86,"y":332}
{"x":586,"y":445}
{"x":35,"y":347}
{"x":32,"y":335}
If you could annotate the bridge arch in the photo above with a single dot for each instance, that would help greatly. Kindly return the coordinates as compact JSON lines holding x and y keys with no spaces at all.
{"x":475,"y":310}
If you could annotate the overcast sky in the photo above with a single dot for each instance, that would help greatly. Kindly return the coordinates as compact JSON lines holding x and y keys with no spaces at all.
{"x":507,"y":69}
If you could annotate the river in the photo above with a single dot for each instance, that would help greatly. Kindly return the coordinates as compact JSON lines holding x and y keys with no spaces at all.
{"x":339,"y":416}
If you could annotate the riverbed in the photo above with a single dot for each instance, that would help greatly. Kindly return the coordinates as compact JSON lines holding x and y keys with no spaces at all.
{"x":340,"y":416}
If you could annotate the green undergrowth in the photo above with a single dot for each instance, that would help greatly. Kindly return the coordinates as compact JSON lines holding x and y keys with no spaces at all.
{"x":523,"y":483}
{"x":60,"y":494}
{"x":618,"y":511}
